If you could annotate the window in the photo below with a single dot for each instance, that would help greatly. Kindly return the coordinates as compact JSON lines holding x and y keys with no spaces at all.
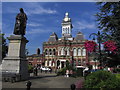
{"x":84,"y":52}
{"x":74,"y":52}
{"x":79,"y":52}
{"x":68,"y":30}
{"x":68,"y":52}
{"x":46,"y":52}
{"x":53,"y":51}
{"x":45,"y":63}
{"x":59,"y":51}
{"x":62,"y":51}
{"x":63,"y":30}
{"x":79,"y":62}
{"x":50,"y":52}
{"x":74,"y":62}
{"x":50,"y":63}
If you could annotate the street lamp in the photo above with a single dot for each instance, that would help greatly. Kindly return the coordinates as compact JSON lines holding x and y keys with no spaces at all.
{"x":98,"y":35}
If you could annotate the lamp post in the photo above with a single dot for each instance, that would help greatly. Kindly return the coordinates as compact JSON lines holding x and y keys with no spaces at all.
{"x":98,"y":35}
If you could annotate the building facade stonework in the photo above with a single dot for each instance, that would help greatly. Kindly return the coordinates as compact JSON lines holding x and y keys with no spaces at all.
{"x":57,"y":51}
{"x":35,"y":59}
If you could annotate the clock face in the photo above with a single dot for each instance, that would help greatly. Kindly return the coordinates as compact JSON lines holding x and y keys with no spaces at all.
{"x":66,"y":19}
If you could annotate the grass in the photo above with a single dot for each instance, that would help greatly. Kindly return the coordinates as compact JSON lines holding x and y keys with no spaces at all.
{"x":118,"y":76}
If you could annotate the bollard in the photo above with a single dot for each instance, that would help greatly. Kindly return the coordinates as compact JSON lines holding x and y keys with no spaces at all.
{"x":73,"y":87}
{"x":28,"y":84}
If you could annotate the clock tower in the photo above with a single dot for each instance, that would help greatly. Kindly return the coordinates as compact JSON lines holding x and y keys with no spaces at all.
{"x":67,"y":26}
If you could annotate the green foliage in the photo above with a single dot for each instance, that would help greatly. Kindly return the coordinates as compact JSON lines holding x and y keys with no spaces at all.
{"x":118,"y":76}
{"x":30,"y":68}
{"x":62,"y":71}
{"x":108,"y":19}
{"x":79,"y":72}
{"x":116,"y":70}
{"x":102,"y":79}
{"x":3,"y":45}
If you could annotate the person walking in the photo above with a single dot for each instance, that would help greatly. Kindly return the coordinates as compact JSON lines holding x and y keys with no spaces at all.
{"x":28,"y":84}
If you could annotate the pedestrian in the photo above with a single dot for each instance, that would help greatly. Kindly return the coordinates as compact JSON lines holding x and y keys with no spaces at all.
{"x":67,"y":73}
{"x":73,"y":87}
{"x":36,"y":71}
{"x":41,"y":70}
{"x":71,"y":72}
{"x":50,"y":69}
{"x":28,"y":84}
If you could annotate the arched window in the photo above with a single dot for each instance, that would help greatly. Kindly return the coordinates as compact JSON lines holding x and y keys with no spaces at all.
{"x":46,"y":52}
{"x":74,"y":62}
{"x":63,"y":30}
{"x":50,"y":52}
{"x":68,"y":30}
{"x":79,"y":52}
{"x":84,"y":52}
{"x":50,"y":62}
{"x":53,"y":51}
{"x":74,"y":52}
{"x":62,"y":51}
{"x":79,"y":62}
{"x":68,"y":52}
{"x":46,"y":63}
{"x":59,"y":51}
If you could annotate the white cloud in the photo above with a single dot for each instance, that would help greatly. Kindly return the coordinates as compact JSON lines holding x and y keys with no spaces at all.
{"x":34,"y":24}
{"x":31,"y":8}
{"x":38,"y":31}
{"x":84,"y":25}
{"x":37,"y":9}
{"x":42,"y":10}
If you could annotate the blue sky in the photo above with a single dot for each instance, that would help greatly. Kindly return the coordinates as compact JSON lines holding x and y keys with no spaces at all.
{"x":46,"y":17}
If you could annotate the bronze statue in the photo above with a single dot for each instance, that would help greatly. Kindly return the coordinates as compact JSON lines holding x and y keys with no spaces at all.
{"x":20,"y":25}
{"x":38,"y":51}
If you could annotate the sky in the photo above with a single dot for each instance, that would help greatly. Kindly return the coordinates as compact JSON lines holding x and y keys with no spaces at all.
{"x":44,"y":18}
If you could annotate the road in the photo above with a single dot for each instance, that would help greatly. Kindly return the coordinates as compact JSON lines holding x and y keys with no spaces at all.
{"x":45,"y":81}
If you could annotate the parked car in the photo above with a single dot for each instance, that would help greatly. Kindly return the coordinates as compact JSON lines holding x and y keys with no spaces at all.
{"x":45,"y":69}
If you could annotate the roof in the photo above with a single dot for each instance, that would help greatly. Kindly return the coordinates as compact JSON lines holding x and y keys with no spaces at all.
{"x":35,"y":55}
{"x":79,"y":36}
{"x":53,"y":37}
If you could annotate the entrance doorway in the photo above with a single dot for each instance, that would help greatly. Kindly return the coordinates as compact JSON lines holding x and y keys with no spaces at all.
{"x":62,"y":64}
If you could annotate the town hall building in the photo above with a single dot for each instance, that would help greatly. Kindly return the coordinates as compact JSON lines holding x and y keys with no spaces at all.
{"x":58,"y":51}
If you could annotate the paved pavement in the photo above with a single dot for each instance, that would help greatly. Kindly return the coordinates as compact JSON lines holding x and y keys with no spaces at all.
{"x":45,"y":81}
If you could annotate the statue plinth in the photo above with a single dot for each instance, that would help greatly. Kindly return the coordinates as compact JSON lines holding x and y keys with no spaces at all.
{"x":15,"y":61}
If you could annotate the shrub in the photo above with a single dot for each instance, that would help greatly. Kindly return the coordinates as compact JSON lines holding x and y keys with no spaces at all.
{"x":118,"y":76}
{"x":62,"y":71}
{"x":117,"y":70}
{"x":30,"y":68}
{"x":79,"y":72}
{"x":102,"y":79}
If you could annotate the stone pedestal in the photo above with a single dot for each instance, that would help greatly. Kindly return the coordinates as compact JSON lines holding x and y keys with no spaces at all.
{"x":16,"y":62}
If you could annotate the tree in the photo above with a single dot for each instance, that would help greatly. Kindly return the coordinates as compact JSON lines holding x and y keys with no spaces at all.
{"x":3,"y":46}
{"x":108,"y":19}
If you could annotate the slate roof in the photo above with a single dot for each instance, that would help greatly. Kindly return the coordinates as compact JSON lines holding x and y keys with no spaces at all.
{"x":53,"y":37}
{"x":79,"y":36}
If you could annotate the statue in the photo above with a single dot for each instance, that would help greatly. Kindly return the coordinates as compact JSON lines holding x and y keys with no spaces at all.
{"x":38,"y":51}
{"x":20,"y":24}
